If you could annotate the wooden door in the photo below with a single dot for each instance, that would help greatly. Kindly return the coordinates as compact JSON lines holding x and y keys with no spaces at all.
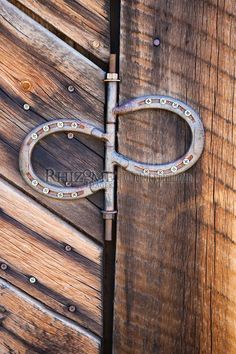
{"x":52,"y":60}
{"x":175,"y":258}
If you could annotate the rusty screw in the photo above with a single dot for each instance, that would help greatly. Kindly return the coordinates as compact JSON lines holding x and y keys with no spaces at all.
{"x":71,"y":88}
{"x":72,"y":308}
{"x":156,"y":42}
{"x":68,"y":248}
{"x":3,"y":266}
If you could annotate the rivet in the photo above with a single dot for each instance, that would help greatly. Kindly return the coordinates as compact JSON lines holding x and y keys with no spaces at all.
{"x":68,"y":248}
{"x":187,"y":113}
{"x":70,"y":135}
{"x":34,"y":182}
{"x":173,"y":168}
{"x":74,"y":125}
{"x":146,"y":171}
{"x":34,"y":136}
{"x":156,"y":42}
{"x":45,"y":190}
{"x":72,"y":308}
{"x":60,"y":124}
{"x":3,"y":266}
{"x":26,"y":85}
{"x":175,"y":105}
{"x":148,"y":101}
{"x":74,"y":195}
{"x":26,"y":106}
{"x":32,"y":280}
{"x":71,"y":88}
{"x":186,"y":161}
{"x":163,"y":101}
{"x":95,"y":44}
{"x":160,"y":172}
{"x":60,"y":195}
{"x":46,"y":128}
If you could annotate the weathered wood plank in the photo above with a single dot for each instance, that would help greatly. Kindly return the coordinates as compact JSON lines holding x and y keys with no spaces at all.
{"x":39,"y":75}
{"x":85,"y":22}
{"x":27,"y":326}
{"x":176,"y":238}
{"x":31,"y":248}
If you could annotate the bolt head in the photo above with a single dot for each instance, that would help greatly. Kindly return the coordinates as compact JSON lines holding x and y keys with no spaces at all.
{"x":70,"y":135}
{"x":148,"y":101}
{"x":163,"y":101}
{"x":74,"y":125}
{"x":173,"y":168}
{"x":68,"y":248}
{"x":34,"y":182}
{"x":45,"y":190}
{"x":186,"y":161}
{"x":60,"y":195}
{"x":26,"y":106}
{"x":72,"y":308}
{"x":187,"y":113}
{"x":3,"y":266}
{"x":32,"y":280}
{"x":156,"y":42}
{"x":74,"y":195}
{"x":71,"y":88}
{"x":46,"y":128}
{"x":34,"y":136}
{"x":175,"y":105}
{"x":60,"y":124}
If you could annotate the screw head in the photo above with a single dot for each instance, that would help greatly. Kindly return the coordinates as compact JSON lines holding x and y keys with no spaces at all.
{"x":60,"y":124}
{"x":3,"y":266}
{"x":74,"y":125}
{"x":68,"y":248}
{"x":187,"y":113}
{"x":71,"y":88}
{"x":60,"y":195}
{"x":70,"y":135}
{"x":26,"y":106}
{"x":146,"y":171}
{"x":74,"y":195}
{"x":34,"y":182}
{"x":175,"y":105}
{"x":186,"y":161}
{"x":156,"y":42}
{"x":148,"y":101}
{"x":46,"y":128}
{"x":72,"y":308}
{"x":45,"y":190}
{"x":173,"y":168}
{"x":163,"y":101}
{"x":32,"y":280}
{"x":160,"y":172}
{"x":95,"y":44}
{"x":34,"y":136}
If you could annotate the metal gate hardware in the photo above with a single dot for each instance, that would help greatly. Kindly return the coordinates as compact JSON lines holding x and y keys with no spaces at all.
{"x":112,"y":157}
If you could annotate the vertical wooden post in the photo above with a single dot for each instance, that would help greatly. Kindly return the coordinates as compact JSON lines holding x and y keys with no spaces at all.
{"x":174,"y":289}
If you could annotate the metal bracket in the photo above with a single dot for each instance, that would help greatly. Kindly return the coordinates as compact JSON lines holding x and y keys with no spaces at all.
{"x":112,"y":157}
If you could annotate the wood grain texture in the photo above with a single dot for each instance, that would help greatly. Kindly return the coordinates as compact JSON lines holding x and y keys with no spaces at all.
{"x":175,"y":269}
{"x":86,"y":22}
{"x":33,"y":243}
{"x":27,"y":326}
{"x":29,"y":53}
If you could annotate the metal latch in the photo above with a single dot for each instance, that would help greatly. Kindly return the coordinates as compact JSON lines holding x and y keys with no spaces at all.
{"x":112,"y":157}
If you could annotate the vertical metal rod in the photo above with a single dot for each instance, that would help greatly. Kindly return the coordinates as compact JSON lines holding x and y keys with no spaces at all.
{"x":109,"y":176}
